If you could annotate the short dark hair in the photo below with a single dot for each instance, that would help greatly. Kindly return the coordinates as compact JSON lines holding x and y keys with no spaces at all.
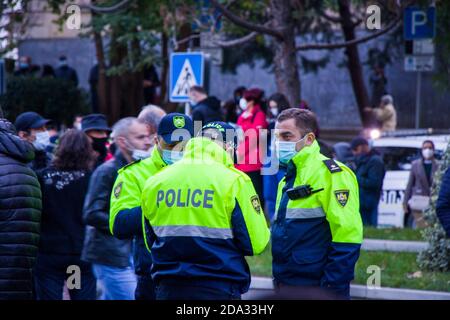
{"x":74,"y":152}
{"x":430,"y":142}
{"x":198,"y":89}
{"x":305,"y":120}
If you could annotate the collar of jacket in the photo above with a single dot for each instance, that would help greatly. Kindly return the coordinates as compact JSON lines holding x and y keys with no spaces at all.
{"x":120,"y":159}
{"x":156,"y":158}
{"x":302,"y":158}
{"x":205,"y":150}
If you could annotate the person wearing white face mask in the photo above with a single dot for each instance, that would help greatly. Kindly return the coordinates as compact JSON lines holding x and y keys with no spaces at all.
{"x":110,"y":257}
{"x":420,"y":180}
{"x":31,"y":127}
{"x":317,"y":229}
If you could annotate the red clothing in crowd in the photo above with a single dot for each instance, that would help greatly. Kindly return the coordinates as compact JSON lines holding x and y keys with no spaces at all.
{"x":248,"y":152}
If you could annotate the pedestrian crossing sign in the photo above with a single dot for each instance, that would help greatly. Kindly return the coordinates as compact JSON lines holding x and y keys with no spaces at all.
{"x":186,"y":70}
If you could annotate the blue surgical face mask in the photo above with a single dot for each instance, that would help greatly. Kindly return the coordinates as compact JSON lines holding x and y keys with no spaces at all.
{"x":170,"y":156}
{"x":286,"y":150}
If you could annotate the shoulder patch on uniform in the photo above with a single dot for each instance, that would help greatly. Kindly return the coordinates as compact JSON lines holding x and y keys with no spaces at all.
{"x":342,"y":196}
{"x":332,"y":165}
{"x":256,"y":204}
{"x":130,"y":164}
{"x":118,"y":189}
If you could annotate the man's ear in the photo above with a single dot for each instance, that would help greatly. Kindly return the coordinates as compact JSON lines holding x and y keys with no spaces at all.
{"x":22,"y":134}
{"x":310,"y":139}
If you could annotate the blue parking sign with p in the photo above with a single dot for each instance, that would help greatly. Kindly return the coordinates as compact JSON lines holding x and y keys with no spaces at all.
{"x":419,"y":23}
{"x":186,"y":70}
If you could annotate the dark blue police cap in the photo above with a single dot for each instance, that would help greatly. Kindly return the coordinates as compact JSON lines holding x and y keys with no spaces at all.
{"x":95,"y":121}
{"x":29,"y":120}
{"x":172,"y":122}
{"x":358,"y":141}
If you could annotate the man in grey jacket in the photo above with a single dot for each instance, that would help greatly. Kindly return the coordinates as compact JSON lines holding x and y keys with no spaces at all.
{"x":111,"y":257}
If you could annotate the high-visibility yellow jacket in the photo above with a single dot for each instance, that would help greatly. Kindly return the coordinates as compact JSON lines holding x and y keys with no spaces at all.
{"x":316,"y":239}
{"x":202,"y":216}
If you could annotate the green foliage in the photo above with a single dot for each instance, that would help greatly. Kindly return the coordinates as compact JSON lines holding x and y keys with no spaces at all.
{"x":437,"y":256}
{"x":52,"y":98}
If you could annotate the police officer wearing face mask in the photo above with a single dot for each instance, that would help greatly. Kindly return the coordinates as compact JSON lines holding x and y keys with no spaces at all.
{"x":30,"y":127}
{"x":317,"y":229}
{"x":174,"y":130}
{"x":202,"y":217}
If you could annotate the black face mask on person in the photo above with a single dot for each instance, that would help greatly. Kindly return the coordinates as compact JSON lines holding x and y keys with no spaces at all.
{"x":99,"y":145}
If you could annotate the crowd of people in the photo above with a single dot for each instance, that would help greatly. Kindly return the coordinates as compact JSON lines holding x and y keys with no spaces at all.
{"x":87,"y":197}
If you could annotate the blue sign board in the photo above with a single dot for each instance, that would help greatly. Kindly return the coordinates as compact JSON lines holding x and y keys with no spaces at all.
{"x":419,"y":23}
{"x":186,"y":70}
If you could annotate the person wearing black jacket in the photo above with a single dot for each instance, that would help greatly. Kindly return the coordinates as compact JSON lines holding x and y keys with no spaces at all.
{"x":111,"y":257}
{"x":443,"y":203}
{"x":20,"y":215}
{"x":31,"y":127}
{"x":64,"y":186}
{"x":205,"y":109}
{"x":370,"y":173}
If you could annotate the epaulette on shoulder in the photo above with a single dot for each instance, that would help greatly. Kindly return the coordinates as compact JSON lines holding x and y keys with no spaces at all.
{"x":129,"y":165}
{"x":332,"y":165}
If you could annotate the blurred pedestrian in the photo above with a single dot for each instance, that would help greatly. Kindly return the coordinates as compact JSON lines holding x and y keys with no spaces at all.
{"x":125,"y":213}
{"x":20,"y":215}
{"x":418,"y":189}
{"x":443,"y":203}
{"x":150,"y":83}
{"x":385,"y":114}
{"x":151,"y":115}
{"x":97,"y":129}
{"x":378,"y":85}
{"x":231,"y":108}
{"x":204,"y":108}
{"x":110,"y":256}
{"x":64,"y":186}
{"x":277,"y":103}
{"x":370,"y":173}
{"x":47,"y":71}
{"x":25,"y":67}
{"x":31,"y":127}
{"x":250,"y":153}
{"x":66,"y":73}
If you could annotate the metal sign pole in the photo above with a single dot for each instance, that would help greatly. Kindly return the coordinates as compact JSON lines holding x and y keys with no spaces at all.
{"x":187,"y":108}
{"x":418,"y":91}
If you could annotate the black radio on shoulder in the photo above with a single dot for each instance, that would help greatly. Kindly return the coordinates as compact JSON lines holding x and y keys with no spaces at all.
{"x":302,"y":191}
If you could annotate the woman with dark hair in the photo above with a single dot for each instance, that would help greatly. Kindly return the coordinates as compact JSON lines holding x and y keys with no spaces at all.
{"x":64,"y":186}
{"x":277,"y":103}
{"x":249,"y":152}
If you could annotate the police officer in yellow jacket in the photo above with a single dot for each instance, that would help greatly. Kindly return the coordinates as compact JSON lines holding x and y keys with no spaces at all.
{"x":202,"y":216}
{"x":317,"y":231}
{"x":174,"y":130}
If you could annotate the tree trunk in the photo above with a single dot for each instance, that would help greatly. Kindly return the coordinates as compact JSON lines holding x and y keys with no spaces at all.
{"x":354,"y":63}
{"x":102,"y":86}
{"x":285,"y":59}
{"x":165,"y":67}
